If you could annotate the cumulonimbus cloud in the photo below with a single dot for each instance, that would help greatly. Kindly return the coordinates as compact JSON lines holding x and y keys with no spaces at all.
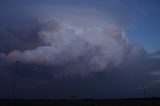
{"x":89,"y":44}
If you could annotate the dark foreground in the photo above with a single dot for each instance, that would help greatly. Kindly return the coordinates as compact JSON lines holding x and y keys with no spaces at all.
{"x":99,"y":102}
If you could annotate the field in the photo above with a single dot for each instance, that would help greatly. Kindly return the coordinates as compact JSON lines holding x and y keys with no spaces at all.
{"x":98,"y":102}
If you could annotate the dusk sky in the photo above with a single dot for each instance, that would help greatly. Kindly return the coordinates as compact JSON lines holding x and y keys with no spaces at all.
{"x":84,"y":48}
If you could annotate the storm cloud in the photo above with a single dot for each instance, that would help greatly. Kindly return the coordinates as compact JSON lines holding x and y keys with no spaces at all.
{"x":80,"y":42}
{"x":74,"y":47}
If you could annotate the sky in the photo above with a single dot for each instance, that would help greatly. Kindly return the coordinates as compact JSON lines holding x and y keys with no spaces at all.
{"x":91,"y":49}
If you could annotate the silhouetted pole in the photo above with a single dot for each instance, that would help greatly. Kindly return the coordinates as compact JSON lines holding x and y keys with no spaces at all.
{"x":145,"y":92}
{"x":15,"y":81}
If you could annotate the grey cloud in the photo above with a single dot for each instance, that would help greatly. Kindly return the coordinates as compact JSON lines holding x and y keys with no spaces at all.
{"x":86,"y":49}
{"x":19,"y":36}
{"x":63,"y":35}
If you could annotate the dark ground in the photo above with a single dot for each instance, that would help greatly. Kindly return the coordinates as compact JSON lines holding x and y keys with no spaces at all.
{"x":92,"y":102}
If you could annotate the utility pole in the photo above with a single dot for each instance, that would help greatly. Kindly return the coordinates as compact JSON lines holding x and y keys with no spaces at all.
{"x":15,"y":81}
{"x":145,"y":91}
